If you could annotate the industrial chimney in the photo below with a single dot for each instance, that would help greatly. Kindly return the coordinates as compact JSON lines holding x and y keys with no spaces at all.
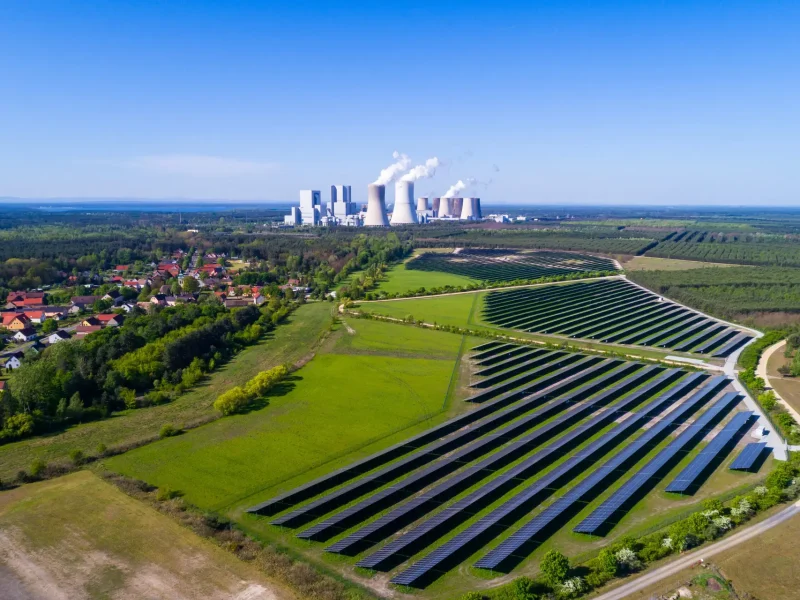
{"x":422,"y":204}
{"x":403,"y":213}
{"x":376,"y":206}
{"x":436,"y":205}
{"x":470,"y":209}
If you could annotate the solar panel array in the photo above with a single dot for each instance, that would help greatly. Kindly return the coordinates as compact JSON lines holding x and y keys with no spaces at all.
{"x":649,"y":473}
{"x":534,"y":409}
{"x":748,"y":456}
{"x":689,"y":476}
{"x":509,"y":265}
{"x":599,"y":479}
{"x":612,"y":311}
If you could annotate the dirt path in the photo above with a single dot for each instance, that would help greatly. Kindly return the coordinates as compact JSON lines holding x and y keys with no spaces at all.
{"x":687,"y":560}
{"x":763,"y":372}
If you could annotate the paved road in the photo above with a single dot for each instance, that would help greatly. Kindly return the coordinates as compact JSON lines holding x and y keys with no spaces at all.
{"x":761,"y":371}
{"x":706,"y":552}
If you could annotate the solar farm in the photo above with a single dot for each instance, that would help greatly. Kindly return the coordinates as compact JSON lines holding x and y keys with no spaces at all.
{"x":554,"y":440}
{"x":614,"y":311}
{"x":497,"y":265}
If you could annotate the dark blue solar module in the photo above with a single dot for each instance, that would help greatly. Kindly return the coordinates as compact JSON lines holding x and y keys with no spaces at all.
{"x":428,"y":453}
{"x":727,"y":349}
{"x":445,"y":490}
{"x":599,"y":517}
{"x":748,"y":457}
{"x":540,"y":488}
{"x":606,"y":473}
{"x":687,"y":478}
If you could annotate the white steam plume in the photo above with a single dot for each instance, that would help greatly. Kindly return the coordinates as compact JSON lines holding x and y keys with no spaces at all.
{"x":459,"y":186}
{"x":422,"y":171}
{"x":390,"y":173}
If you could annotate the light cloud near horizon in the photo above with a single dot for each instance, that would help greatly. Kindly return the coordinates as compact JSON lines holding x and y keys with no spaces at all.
{"x":197,"y":165}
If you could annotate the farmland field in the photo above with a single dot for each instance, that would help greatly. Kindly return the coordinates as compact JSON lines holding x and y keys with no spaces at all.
{"x":288,"y":343}
{"x":80,"y":537}
{"x":541,"y":419}
{"x":747,"y":249}
{"x":611,"y":311}
{"x":403,"y":278}
{"x":359,"y":392}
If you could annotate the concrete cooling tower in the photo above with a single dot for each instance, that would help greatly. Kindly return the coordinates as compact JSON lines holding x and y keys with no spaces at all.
{"x":437,"y":202}
{"x":470,"y":209}
{"x":376,"y":206}
{"x":403,"y":213}
{"x":445,"y":207}
{"x":455,"y":207}
{"x":422,"y":204}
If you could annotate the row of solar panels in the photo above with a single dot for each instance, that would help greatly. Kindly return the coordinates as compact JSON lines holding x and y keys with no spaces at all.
{"x":569,"y":388}
{"x":612,"y":311}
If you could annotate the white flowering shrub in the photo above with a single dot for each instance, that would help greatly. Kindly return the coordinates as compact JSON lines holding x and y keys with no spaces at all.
{"x":628,"y":560}
{"x":710,"y":514}
{"x":743,"y":509}
{"x":723,"y":523}
{"x":573,"y":586}
{"x":760,"y":490}
{"x":667,"y":542}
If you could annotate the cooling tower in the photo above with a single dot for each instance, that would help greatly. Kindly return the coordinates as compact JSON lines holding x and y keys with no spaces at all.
{"x":468,"y":209}
{"x":477,"y":209}
{"x":422,"y":204}
{"x":376,"y":206}
{"x":403,"y":213}
{"x":436,"y":204}
{"x":455,"y":206}
{"x":445,"y":207}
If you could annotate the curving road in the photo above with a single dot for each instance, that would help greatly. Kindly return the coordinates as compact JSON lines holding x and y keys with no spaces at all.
{"x":689,"y":559}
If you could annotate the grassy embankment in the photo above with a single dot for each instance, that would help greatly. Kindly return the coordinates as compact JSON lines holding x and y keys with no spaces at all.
{"x":80,"y":537}
{"x":289,"y":343}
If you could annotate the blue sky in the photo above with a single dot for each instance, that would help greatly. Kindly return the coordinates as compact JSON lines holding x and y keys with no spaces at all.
{"x":541,"y":102}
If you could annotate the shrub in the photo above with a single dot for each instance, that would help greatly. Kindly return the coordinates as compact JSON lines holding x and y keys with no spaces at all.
{"x":232,"y":401}
{"x":168,"y":430}
{"x":165,"y":493}
{"x":37,"y":467}
{"x":76,"y":456}
{"x":554,"y":568}
{"x":767,"y":400}
{"x":127,"y":396}
{"x":101,"y":449}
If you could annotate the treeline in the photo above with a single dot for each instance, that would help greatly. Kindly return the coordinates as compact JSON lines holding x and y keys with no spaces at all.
{"x":757,"y":251}
{"x":149,"y":360}
{"x":728,"y":292}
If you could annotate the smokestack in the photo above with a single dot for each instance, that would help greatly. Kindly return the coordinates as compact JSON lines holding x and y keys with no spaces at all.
{"x":403,"y":213}
{"x":436,"y":205}
{"x":422,"y":204}
{"x":455,"y":206}
{"x":376,"y":206}
{"x":470,"y":209}
{"x":445,"y":207}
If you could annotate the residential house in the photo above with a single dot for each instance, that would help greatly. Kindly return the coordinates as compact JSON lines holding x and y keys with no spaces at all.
{"x":169,"y":269}
{"x":83,"y":302}
{"x":57,"y":336}
{"x":110,"y":320}
{"x":128,"y":306}
{"x":15,"y":321}
{"x":82,"y":331}
{"x":121,"y":268}
{"x":25,"y":335}
{"x":55,"y":312}
{"x":11,"y":361}
{"x":180,"y":299}
{"x":133,"y":284}
{"x":158,"y":300}
{"x":36,"y":316}
{"x":91,"y":322}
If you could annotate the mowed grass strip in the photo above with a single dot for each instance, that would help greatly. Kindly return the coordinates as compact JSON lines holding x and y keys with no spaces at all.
{"x":336,"y":405}
{"x":400,"y":280}
{"x":288,"y":343}
{"x":80,"y":537}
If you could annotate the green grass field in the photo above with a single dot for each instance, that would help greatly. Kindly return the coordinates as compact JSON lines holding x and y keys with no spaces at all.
{"x":290,"y":342}
{"x":384,"y":384}
{"x":400,"y":280}
{"x":444,"y":310}
{"x":80,"y":537}
{"x":652,"y":263}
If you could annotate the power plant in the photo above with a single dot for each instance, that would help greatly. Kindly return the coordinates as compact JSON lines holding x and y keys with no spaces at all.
{"x":403,"y":212}
{"x":343,"y":211}
{"x":376,"y":206}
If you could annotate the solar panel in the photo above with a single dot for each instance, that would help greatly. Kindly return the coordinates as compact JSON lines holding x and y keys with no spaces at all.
{"x":545,"y":485}
{"x":732,"y":345}
{"x":485,"y":346}
{"x":688,"y":477}
{"x":423,"y":456}
{"x":502,"y":355}
{"x":601,"y":476}
{"x":514,"y":450}
{"x":526,"y":371}
{"x":747,"y":458}
{"x":715,"y":341}
{"x":697,"y":339}
{"x":331,"y":480}
{"x":510,"y":361}
{"x":599,"y":517}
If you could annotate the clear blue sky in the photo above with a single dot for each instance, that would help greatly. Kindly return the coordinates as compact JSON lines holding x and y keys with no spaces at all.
{"x":573,"y":102}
